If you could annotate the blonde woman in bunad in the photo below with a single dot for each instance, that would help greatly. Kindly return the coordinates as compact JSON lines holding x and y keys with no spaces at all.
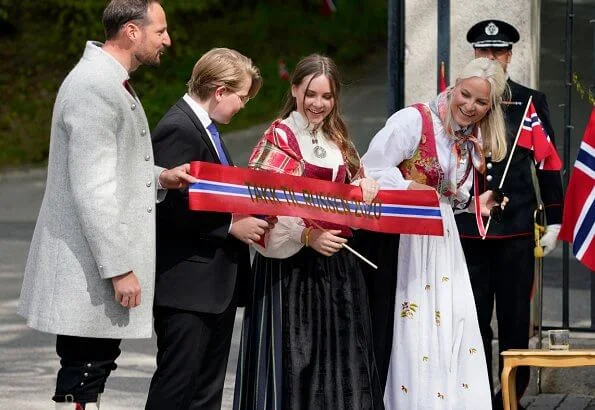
{"x":307,"y":339}
{"x":437,"y":359}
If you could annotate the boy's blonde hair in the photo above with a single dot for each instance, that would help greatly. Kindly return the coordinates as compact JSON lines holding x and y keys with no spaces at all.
{"x":223,"y":67}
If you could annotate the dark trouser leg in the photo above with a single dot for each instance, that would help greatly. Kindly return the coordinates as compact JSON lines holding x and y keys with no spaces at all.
{"x":515,"y":270}
{"x":382,"y":249}
{"x":477,"y":254}
{"x":211,"y":379}
{"x":192,"y":357}
{"x":85,"y":364}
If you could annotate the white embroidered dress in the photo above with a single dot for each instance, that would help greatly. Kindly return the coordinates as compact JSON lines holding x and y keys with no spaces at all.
{"x":437,"y":359}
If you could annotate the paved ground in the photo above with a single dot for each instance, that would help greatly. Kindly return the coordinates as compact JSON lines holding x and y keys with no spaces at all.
{"x":28,"y":363}
{"x":28,"y":366}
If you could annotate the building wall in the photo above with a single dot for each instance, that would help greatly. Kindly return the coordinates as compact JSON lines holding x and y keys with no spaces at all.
{"x":421,"y":65}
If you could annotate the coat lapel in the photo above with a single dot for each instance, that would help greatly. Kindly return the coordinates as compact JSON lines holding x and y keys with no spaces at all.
{"x":185,"y":108}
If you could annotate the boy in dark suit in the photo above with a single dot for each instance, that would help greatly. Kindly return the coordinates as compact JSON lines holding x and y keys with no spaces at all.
{"x":201,"y":256}
{"x":502,"y":266}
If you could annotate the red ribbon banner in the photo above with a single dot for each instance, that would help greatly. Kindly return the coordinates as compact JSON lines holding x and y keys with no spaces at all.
{"x":239,"y":190}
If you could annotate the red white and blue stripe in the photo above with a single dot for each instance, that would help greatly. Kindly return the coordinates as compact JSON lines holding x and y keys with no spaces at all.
{"x":584,"y":231}
{"x":534,"y":137}
{"x":259,"y":193}
{"x":578,"y":224}
{"x":389,"y":210}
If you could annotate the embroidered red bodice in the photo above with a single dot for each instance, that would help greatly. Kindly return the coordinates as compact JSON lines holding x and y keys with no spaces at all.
{"x":423,"y":167}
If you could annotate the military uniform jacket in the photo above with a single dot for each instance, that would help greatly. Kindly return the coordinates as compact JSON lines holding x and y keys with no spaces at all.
{"x":97,"y":217}
{"x":518,"y":186}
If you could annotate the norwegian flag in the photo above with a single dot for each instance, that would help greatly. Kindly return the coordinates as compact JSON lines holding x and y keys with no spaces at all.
{"x":578,"y":223}
{"x":327,"y":7}
{"x":282,"y":68}
{"x":441,"y":78}
{"x":534,"y":137}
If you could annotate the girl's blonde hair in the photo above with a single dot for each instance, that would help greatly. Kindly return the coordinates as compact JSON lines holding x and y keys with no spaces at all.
{"x":223,"y":67}
{"x":492,"y":126}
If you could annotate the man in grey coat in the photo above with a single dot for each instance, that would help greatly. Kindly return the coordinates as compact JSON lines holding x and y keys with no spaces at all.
{"x":92,"y":256}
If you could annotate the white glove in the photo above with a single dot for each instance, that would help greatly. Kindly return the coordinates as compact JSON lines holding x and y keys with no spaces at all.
{"x":550,"y":238}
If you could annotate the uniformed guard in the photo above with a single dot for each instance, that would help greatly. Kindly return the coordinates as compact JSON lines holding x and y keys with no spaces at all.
{"x":502,"y":266}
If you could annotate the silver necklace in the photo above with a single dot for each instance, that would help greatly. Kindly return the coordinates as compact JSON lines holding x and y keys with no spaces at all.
{"x":319,"y":152}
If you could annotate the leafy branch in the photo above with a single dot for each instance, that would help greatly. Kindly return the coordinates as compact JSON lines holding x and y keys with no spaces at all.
{"x":584,"y":92}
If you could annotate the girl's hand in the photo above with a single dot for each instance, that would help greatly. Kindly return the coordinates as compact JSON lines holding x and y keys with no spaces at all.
{"x":325,"y":242}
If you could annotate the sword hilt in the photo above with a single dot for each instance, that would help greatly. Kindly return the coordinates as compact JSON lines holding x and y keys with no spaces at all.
{"x":538,"y":231}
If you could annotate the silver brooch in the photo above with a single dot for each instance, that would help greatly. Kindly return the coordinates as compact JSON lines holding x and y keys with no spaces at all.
{"x":319,"y":152}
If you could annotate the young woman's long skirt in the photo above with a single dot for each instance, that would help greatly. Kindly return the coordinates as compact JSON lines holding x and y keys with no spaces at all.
{"x":306,"y":338}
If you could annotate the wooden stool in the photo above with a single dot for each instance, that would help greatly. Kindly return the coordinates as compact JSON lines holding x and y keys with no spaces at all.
{"x":539,"y":358}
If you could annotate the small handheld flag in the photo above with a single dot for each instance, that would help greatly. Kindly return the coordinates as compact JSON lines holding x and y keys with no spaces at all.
{"x":531,"y":135}
{"x":283,"y":73}
{"x":327,"y":7}
{"x":534,"y":137}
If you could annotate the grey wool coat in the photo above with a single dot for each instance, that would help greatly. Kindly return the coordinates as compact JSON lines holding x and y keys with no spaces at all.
{"x":97,"y":216}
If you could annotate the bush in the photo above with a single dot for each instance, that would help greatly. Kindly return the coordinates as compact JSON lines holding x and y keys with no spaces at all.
{"x":48,"y":36}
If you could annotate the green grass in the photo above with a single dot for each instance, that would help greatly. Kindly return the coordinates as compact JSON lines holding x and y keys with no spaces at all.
{"x":51,"y":35}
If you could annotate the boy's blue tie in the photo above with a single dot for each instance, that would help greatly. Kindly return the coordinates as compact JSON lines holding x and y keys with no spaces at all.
{"x":217,"y":140}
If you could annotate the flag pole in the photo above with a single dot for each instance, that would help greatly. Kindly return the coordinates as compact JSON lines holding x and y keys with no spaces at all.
{"x":442,"y":84}
{"x":516,"y":140}
{"x":443,"y":42}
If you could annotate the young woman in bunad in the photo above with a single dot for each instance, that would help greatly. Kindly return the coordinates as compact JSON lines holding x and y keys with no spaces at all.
{"x":437,"y":359}
{"x":306,"y":339}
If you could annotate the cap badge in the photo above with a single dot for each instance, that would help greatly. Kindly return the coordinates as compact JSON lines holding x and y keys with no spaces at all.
{"x":491,"y":29}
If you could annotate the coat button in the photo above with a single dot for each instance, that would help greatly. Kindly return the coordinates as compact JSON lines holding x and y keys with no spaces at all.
{"x":489,"y":178}
{"x":147,"y":157}
{"x":149,"y":184}
{"x":82,"y":384}
{"x":143,"y":132}
{"x":149,"y":209}
{"x":133,"y":107}
{"x":89,"y":364}
{"x":489,"y":165}
{"x":85,"y":374}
